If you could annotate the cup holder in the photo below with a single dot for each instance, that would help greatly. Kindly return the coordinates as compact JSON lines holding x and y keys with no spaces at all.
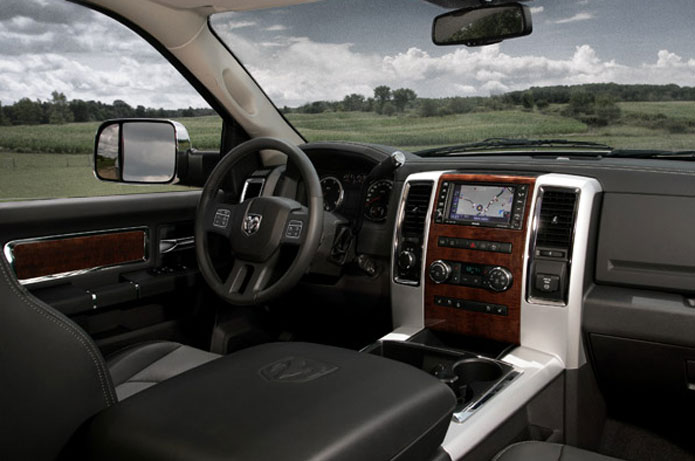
{"x":469,"y":378}
{"x":475,"y":370}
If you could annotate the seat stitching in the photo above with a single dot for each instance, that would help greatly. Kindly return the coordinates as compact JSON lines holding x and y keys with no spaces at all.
{"x":107,"y":391}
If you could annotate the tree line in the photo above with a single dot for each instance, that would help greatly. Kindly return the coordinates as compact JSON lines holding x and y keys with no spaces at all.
{"x":59,"y":110}
{"x":593,"y":104}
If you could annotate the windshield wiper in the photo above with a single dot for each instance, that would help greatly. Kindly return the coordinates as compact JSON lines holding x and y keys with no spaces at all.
{"x":660,"y":154}
{"x":506,"y":143}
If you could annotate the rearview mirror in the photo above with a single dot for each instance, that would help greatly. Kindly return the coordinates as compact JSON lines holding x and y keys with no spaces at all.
{"x":139,"y":150}
{"x":482,"y":26}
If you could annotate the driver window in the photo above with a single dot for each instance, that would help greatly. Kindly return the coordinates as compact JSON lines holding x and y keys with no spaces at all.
{"x":63,"y":70}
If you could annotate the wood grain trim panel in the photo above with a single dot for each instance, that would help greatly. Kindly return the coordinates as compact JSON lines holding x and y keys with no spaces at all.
{"x":499,"y":328}
{"x":56,"y":256}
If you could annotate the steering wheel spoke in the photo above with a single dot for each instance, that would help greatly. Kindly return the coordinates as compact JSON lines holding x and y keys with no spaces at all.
{"x":249,"y":277}
{"x":220,"y":218}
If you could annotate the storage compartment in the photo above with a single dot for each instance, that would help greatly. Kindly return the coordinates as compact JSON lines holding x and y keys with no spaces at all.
{"x":629,"y":369}
{"x":645,"y":241}
{"x":472,"y":378}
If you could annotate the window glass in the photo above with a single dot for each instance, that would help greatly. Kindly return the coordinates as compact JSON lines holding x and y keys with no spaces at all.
{"x":619,"y":72}
{"x":63,"y":70}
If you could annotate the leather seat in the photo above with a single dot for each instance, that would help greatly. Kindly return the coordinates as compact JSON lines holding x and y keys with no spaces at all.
{"x":136,"y":368}
{"x":55,"y":378}
{"x":543,"y":451}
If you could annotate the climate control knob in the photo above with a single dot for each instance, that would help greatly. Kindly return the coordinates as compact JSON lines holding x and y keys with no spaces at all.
{"x":406,"y":260}
{"x":439,"y":271}
{"x":499,"y":279}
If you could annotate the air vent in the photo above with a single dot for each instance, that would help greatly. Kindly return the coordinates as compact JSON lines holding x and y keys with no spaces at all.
{"x":415,"y":211}
{"x":556,"y":219}
{"x":407,"y":261}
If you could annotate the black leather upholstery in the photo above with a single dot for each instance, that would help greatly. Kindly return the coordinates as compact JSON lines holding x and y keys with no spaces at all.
{"x":543,"y":451}
{"x":283,"y":401}
{"x":137,"y":368}
{"x":53,"y":375}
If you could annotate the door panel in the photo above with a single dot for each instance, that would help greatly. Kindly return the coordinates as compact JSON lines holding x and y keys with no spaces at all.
{"x":120,"y":290}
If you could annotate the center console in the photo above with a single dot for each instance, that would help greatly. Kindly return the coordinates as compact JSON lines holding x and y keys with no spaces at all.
{"x":491,"y":268}
{"x":475,"y":255}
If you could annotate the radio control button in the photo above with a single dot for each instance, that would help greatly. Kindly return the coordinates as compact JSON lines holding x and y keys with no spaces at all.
{"x":499,"y":279}
{"x":439,"y":271}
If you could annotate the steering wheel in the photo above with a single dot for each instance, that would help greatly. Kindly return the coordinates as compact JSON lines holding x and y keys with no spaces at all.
{"x":257,"y":228}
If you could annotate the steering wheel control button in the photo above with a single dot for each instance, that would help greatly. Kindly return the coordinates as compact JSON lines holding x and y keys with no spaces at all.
{"x":294,"y":229}
{"x":439,"y":271}
{"x":547,"y":283}
{"x":221,"y":218}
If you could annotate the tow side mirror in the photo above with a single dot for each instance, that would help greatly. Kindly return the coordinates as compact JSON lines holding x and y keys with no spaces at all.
{"x":483,"y":25}
{"x":139,"y":150}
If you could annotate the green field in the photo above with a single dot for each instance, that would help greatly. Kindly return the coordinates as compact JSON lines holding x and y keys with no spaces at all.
{"x":44,"y":161}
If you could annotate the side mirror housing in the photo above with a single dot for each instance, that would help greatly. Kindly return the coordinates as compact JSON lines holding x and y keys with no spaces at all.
{"x":144,"y":151}
{"x":482,"y":25}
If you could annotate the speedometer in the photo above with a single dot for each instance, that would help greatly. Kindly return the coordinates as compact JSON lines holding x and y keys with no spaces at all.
{"x":377,"y":201}
{"x":333,"y":193}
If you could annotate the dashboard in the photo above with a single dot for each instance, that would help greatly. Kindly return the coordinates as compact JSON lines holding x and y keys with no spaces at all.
{"x":552,"y":253}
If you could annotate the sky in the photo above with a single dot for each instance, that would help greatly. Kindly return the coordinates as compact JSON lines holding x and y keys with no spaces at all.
{"x":331,"y":48}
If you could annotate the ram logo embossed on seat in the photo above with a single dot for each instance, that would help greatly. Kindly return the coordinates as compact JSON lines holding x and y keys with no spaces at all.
{"x":296,"y":370}
{"x":251,"y":224}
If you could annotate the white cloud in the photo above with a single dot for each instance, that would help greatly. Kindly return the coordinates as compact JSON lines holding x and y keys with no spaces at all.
{"x":95,"y":58}
{"x":239,"y":24}
{"x":275,"y":28}
{"x":537,"y":9}
{"x":304,"y":70}
{"x":584,"y":16}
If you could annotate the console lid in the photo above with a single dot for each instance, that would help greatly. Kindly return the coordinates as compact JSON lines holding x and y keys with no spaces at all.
{"x":289,"y":401}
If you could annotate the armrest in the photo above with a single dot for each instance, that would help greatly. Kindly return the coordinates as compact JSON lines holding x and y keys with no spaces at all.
{"x":290,"y":401}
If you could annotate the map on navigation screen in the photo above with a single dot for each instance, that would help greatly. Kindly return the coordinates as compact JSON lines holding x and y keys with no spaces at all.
{"x":482,"y":203}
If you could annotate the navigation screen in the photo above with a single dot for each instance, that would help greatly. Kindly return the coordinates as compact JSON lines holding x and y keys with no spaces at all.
{"x":477,"y":203}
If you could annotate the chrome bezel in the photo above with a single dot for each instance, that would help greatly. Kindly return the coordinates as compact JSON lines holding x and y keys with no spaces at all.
{"x":341,"y":195}
{"x":373,"y":184}
{"x":532,"y":243}
{"x":248,"y":181}
{"x":425,"y":234}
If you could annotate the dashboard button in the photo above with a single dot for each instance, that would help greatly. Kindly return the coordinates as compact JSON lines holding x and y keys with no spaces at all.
{"x":547,"y":283}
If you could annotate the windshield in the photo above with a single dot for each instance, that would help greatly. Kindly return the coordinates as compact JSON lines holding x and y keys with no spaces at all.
{"x":619,"y":73}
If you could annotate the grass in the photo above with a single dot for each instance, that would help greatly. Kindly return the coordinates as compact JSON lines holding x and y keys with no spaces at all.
{"x":34,"y":176}
{"x":408,"y":131}
{"x":55,"y":160}
{"x":78,"y":138}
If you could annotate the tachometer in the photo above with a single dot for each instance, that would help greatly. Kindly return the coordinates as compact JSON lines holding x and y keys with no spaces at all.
{"x":377,"y":201}
{"x":333,"y":193}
